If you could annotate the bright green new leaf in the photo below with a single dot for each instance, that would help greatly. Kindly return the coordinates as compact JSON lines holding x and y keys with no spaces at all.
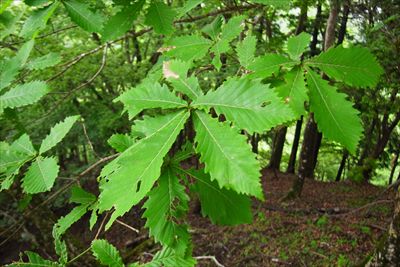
{"x":175,"y":71}
{"x":80,"y":13}
{"x":222,"y":206}
{"x":106,"y":253}
{"x":120,"y":142}
{"x":227,"y":155}
{"x":134,"y":172}
{"x":167,"y":257}
{"x":266,"y":65}
{"x":188,"y":47}
{"x":4,"y":4}
{"x":165,"y":206}
{"x":243,"y":102}
{"x":297,"y":45}
{"x":161,"y":17}
{"x":45,"y":61}
{"x":335,"y":116}
{"x":146,"y":96}
{"x":294,"y":91}
{"x":57,"y":133}
{"x":24,"y":94}
{"x":40,"y":176}
{"x":35,"y":2}
{"x":246,"y":50}
{"x":38,"y":20}
{"x":355,"y":66}
{"x":121,"y":22}
{"x":221,"y":46}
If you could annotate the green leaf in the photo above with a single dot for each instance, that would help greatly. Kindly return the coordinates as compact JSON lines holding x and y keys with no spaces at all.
{"x":167,"y":257}
{"x":161,"y":17}
{"x":23,"y":145}
{"x":214,"y":28}
{"x":10,"y":68}
{"x":243,"y":102}
{"x":60,"y":246}
{"x":40,"y":176}
{"x":65,"y":222}
{"x":45,"y":61}
{"x":297,"y":45}
{"x":222,"y":206}
{"x":175,"y":71}
{"x":246,"y":50}
{"x":34,"y":260}
{"x":120,"y":142}
{"x":335,"y":116}
{"x":121,"y":22}
{"x":80,"y":196}
{"x":227,"y":155}
{"x":188,"y":47}
{"x":106,"y":253}
{"x":80,"y":13}
{"x":265,"y":66}
{"x":147,"y":96}
{"x":294,"y":91}
{"x":24,"y":94}
{"x":165,"y":206}
{"x":13,"y":158}
{"x":35,"y":2}
{"x":4,"y":4}
{"x":232,"y":28}
{"x":189,"y":5}
{"x":355,"y":66}
{"x":57,"y":133}
{"x":121,"y":178}
{"x":184,"y":153}
{"x":38,"y":20}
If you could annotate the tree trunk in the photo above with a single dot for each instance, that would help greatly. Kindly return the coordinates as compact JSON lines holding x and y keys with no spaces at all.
{"x":343,"y":23}
{"x":311,"y":140}
{"x":342,"y":165}
{"x":317,"y":25}
{"x":387,"y":252}
{"x":295,"y":146}
{"x":394,"y":165}
{"x":277,"y":148}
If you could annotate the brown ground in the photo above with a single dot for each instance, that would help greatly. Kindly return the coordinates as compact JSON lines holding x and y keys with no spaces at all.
{"x":323,"y":228}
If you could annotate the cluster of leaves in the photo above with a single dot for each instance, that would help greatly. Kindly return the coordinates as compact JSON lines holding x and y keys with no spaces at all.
{"x":145,"y":168}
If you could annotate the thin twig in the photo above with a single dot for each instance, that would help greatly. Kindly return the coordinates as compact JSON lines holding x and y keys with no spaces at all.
{"x":210,"y":258}
{"x":127,"y":226}
{"x":101,"y":226}
{"x":88,"y":140}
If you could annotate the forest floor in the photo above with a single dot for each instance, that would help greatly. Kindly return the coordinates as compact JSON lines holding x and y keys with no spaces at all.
{"x":332,"y":224}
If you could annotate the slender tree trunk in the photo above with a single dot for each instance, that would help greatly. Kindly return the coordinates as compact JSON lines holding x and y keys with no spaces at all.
{"x":342,"y":165}
{"x":310,"y":146}
{"x":343,"y":23}
{"x":388,"y":250}
{"x":254,"y":139}
{"x":394,"y":166}
{"x":317,"y":25}
{"x":277,"y":148}
{"x":295,"y":146}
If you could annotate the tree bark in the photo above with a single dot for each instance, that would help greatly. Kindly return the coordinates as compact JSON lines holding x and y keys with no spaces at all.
{"x":277,"y":148}
{"x":342,"y":165}
{"x":343,"y":23}
{"x":295,"y":146}
{"x":394,"y":166}
{"x":317,"y":25}
{"x":311,"y":140}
